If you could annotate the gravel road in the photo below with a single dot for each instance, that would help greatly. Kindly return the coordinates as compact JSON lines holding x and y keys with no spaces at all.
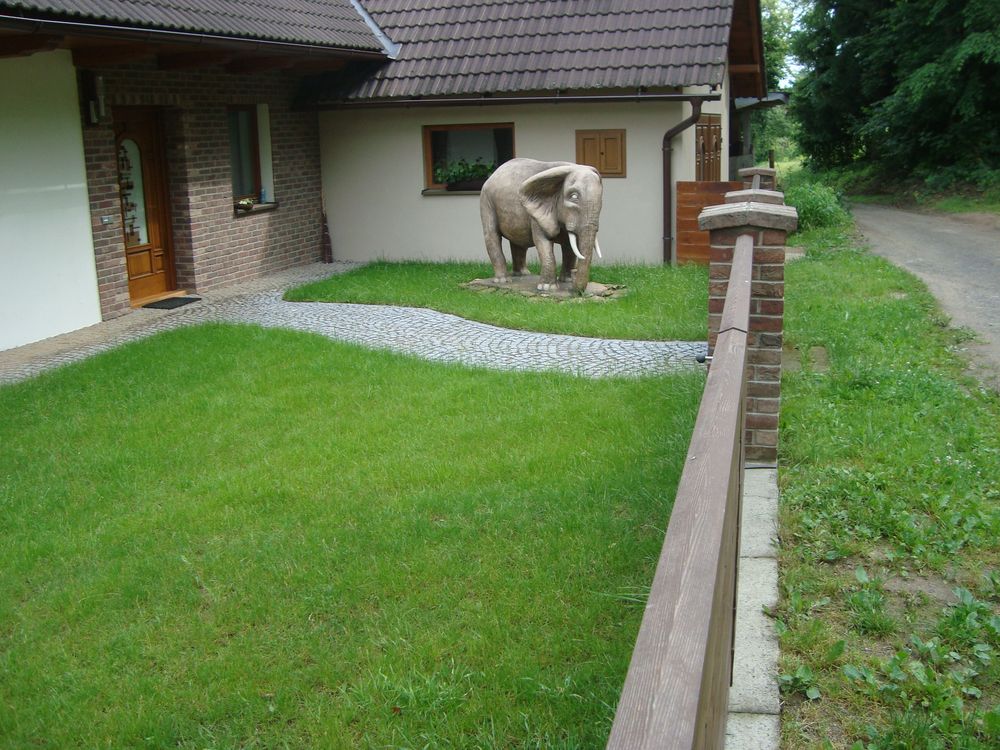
{"x":958,"y":257}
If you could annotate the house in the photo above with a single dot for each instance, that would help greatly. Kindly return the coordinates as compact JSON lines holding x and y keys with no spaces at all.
{"x":172,"y":145}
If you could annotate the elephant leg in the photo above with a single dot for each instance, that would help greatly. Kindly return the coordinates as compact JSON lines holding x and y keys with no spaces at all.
{"x":568,"y":262}
{"x":519,"y":257}
{"x":545,"y":254}
{"x":494,"y":242}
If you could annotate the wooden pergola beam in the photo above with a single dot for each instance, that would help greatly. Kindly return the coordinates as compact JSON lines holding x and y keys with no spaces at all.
{"x":259,"y":64}
{"x":21,"y":45}
{"x":199,"y":58}
{"x":96,"y":57}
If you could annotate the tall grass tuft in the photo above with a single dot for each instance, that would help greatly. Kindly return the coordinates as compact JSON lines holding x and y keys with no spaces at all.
{"x":818,"y":206}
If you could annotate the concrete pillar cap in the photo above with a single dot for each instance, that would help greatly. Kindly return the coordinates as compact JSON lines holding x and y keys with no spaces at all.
{"x":755,"y":196}
{"x":749,"y":214}
{"x":762,"y":171}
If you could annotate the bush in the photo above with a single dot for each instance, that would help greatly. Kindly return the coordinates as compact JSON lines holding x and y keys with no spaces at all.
{"x":818,"y":206}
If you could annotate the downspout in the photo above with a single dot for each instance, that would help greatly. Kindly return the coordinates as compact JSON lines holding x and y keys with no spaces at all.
{"x":668,"y":183}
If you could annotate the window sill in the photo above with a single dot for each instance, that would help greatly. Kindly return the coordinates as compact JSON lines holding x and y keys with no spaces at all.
{"x":440,"y":191}
{"x":256,"y":208}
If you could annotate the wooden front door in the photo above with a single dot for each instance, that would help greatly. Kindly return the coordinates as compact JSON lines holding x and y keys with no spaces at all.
{"x":142,"y":181}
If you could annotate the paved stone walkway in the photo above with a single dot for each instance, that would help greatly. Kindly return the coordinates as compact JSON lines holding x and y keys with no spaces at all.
{"x":424,"y":333}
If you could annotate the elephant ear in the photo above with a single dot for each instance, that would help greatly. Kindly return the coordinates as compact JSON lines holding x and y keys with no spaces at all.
{"x":540,"y":196}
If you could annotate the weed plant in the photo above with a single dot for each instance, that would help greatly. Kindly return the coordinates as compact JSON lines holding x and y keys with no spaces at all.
{"x":818,"y":206}
{"x":230,"y":537}
{"x":661,"y":304}
{"x":889,"y":521}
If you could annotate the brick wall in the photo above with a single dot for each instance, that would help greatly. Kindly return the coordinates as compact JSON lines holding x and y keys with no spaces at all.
{"x":109,"y":249}
{"x":755,"y":212}
{"x":212,"y":246}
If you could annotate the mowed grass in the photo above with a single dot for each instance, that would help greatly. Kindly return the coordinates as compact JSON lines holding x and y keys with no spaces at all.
{"x":662,"y":303}
{"x":890,"y":518}
{"x":230,"y":537}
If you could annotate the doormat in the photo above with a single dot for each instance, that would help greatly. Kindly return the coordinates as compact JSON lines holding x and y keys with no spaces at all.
{"x":171,"y":302}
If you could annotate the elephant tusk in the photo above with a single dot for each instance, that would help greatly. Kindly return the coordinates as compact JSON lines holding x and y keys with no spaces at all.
{"x":572,"y":244}
{"x":597,"y":247}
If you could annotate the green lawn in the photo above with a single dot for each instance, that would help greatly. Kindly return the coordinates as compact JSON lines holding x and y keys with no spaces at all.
{"x":890,"y":471}
{"x":662,"y":304}
{"x":230,"y":537}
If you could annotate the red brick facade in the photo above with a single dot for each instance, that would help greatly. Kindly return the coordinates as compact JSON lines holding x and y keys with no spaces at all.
{"x":212,"y":246}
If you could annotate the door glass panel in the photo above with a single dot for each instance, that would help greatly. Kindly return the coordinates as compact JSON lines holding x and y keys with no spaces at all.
{"x":133,"y":195}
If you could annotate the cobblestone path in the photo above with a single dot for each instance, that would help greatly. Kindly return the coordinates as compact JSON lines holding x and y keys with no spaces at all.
{"x":423,"y":333}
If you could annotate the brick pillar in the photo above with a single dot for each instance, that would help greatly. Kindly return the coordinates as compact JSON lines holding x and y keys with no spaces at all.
{"x":754,"y":212}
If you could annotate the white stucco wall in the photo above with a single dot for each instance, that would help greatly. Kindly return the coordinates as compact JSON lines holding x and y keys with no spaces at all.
{"x":48,"y":281}
{"x":373,"y":177}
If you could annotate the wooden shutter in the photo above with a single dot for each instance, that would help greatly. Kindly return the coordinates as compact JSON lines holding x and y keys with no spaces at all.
{"x":602,"y":149}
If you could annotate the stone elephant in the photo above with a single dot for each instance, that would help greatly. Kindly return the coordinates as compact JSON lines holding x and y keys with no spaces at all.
{"x":539,"y":203}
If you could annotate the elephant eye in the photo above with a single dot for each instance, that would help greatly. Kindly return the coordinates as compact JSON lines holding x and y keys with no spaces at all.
{"x":574,"y":196}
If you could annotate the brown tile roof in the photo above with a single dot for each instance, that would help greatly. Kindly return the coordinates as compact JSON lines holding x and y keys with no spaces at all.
{"x":328,"y":23}
{"x":463,"y":47}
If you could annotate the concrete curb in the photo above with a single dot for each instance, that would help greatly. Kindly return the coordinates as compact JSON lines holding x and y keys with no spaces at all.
{"x":754,"y":700}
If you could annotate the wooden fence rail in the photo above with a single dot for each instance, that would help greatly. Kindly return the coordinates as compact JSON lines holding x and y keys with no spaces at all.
{"x":676,"y":691}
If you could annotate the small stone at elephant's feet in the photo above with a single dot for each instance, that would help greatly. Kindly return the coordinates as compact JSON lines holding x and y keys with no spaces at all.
{"x":561,"y":290}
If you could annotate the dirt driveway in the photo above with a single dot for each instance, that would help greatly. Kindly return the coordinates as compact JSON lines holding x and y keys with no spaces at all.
{"x":958,"y":257}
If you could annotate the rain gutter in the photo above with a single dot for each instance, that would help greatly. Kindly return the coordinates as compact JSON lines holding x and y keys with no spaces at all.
{"x":499,"y":101}
{"x":139,"y":34}
{"x":668,"y":182}
{"x":390,"y":47}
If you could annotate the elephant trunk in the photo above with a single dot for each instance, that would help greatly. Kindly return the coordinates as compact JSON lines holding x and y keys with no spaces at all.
{"x":583,"y":246}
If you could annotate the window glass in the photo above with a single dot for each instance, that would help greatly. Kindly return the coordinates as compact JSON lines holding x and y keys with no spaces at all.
{"x":243,"y":152}
{"x":448,"y":147}
{"x":133,"y":196}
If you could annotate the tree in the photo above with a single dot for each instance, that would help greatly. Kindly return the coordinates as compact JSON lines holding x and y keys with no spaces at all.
{"x":771,"y":127}
{"x":776,"y":26}
{"x":905,"y":85}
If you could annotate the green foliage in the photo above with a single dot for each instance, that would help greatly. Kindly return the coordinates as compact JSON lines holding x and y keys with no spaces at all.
{"x":776,"y":27}
{"x":771,"y":128}
{"x":462,"y":171}
{"x":931,"y":692}
{"x":908,"y":87}
{"x":802,"y":680}
{"x":867,"y":607}
{"x":661,"y":303}
{"x":818,"y":206}
{"x":321,"y":546}
{"x":774,"y":129}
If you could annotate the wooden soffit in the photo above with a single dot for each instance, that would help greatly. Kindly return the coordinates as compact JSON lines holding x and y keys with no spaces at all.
{"x":746,"y":50}
{"x":94,"y":49}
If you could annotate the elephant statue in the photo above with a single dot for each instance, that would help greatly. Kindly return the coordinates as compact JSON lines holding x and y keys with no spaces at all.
{"x":538,"y":203}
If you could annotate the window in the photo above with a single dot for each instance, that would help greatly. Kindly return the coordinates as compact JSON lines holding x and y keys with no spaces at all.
{"x":602,"y":149}
{"x":250,"y":155}
{"x":445,"y":146}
